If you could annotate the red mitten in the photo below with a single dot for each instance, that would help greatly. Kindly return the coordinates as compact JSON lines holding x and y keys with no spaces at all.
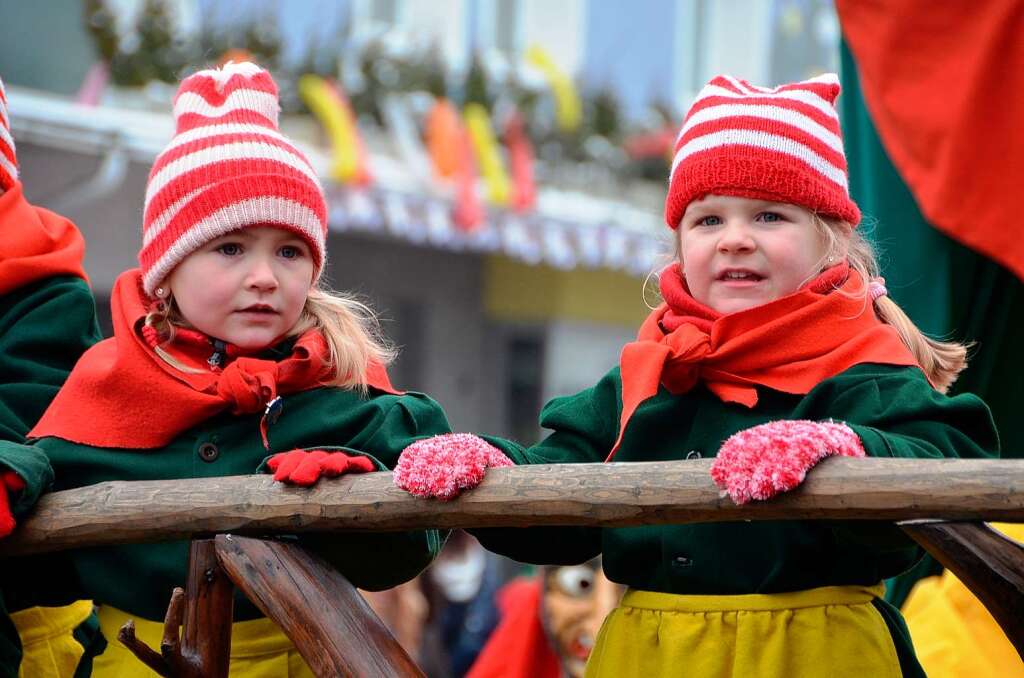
{"x":11,"y":482}
{"x":762,"y":461}
{"x":445,"y":465}
{"x":301,"y":467}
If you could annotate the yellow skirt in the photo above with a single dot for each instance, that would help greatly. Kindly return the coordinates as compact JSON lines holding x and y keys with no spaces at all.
{"x":833,"y":631}
{"x":954,"y":635}
{"x":259,"y":649}
{"x":47,"y":645}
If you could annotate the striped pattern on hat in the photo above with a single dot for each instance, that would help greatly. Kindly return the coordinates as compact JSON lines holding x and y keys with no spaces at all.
{"x":782,"y":144}
{"x":227,"y":167}
{"x":8,"y":160}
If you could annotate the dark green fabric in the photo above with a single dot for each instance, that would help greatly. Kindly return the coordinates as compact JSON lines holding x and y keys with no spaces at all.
{"x":138,"y":578}
{"x":893,"y":409}
{"x":948,"y":290}
{"x":92,"y":641}
{"x":909,"y":666}
{"x":44,"y":328}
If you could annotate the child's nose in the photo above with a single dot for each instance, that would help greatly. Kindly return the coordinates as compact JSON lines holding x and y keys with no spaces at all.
{"x":262,"y":275}
{"x":735,"y":237}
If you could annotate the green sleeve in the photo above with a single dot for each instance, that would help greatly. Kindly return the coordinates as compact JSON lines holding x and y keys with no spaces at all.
{"x":44,"y":329}
{"x":584,"y":428}
{"x":897,"y":413}
{"x":409,"y":418}
{"x":380,"y":560}
{"x":29,"y":462}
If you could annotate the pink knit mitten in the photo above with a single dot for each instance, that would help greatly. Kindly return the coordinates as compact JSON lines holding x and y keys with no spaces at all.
{"x":445,"y":465}
{"x":762,"y":461}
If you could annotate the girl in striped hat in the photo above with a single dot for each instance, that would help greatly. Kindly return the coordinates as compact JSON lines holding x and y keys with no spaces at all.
{"x":230,"y":355}
{"x":775,"y":347}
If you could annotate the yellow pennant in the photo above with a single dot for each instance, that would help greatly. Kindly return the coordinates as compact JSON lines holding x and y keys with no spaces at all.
{"x":488,"y":155}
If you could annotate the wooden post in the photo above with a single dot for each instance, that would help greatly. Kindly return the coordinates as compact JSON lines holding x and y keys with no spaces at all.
{"x":988,"y":562}
{"x":203,"y":612}
{"x":331,"y":625}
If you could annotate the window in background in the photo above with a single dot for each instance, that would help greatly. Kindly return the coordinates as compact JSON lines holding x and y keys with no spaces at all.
{"x":524,"y":369}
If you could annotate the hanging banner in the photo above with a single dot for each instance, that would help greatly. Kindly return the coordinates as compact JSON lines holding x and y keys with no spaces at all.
{"x":520,"y":157}
{"x":568,"y":111}
{"x":331,"y":107}
{"x":488,"y":155}
{"x":467,"y":213}
{"x":444,"y":139}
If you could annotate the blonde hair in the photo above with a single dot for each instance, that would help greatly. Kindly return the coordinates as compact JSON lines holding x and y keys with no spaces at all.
{"x":350,"y":328}
{"x":941,"y":361}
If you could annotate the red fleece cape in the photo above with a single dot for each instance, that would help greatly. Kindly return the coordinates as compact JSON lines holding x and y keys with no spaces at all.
{"x":791,"y":344}
{"x":35,"y":243}
{"x":122,"y":395}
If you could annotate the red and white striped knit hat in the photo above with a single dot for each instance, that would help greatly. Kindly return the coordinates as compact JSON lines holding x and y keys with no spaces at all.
{"x":8,"y":161}
{"x":781,"y":144}
{"x":227,"y":167}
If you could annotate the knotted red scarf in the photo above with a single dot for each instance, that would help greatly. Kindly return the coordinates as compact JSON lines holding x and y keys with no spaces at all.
{"x":35,"y":243}
{"x":791,"y":344}
{"x":121,"y":394}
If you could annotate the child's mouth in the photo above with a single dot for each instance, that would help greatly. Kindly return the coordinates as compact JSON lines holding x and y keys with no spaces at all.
{"x":739,"y":278}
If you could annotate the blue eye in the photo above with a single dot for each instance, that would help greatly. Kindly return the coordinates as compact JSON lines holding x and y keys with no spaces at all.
{"x":770,"y":217}
{"x":710,"y":220}
{"x":229,"y":249}
{"x":289,"y":252}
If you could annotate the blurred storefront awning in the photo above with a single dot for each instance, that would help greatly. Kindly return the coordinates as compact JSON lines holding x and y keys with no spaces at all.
{"x":568,"y":229}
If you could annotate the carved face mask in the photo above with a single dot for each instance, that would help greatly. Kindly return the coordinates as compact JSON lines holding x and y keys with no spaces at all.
{"x":576,"y":600}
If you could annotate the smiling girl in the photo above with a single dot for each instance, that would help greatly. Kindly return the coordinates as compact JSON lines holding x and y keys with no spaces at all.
{"x":775,"y":347}
{"x":229,"y":355}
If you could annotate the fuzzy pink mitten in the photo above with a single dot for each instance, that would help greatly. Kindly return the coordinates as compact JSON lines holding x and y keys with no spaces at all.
{"x":762,"y":461}
{"x":445,"y":465}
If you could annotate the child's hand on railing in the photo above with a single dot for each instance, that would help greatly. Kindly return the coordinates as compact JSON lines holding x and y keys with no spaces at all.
{"x":445,"y":465}
{"x":763,"y":461}
{"x":10,"y":482}
{"x":305,"y":467}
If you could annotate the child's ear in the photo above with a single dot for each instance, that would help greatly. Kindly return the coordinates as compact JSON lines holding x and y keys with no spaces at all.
{"x":162,"y":292}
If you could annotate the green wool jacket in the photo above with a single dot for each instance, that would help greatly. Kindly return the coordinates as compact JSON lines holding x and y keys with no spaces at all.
{"x":139,"y":578}
{"x":44,"y":328}
{"x":894,"y":410}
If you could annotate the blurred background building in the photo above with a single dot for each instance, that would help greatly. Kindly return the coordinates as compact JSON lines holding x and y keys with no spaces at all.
{"x":524,"y":287}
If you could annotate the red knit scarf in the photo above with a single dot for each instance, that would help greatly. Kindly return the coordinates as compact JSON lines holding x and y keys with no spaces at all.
{"x":121,"y":394}
{"x":35,"y":243}
{"x":791,"y":344}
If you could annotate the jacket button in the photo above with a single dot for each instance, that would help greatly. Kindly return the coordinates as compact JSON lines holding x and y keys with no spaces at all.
{"x":682,"y":561}
{"x":693,"y":454}
{"x":208,"y":452}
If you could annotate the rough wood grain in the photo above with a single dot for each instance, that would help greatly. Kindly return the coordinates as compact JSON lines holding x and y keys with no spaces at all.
{"x":331,"y":625}
{"x":209,"y":611}
{"x":585,"y":494}
{"x":197,"y":628}
{"x":988,"y":562}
